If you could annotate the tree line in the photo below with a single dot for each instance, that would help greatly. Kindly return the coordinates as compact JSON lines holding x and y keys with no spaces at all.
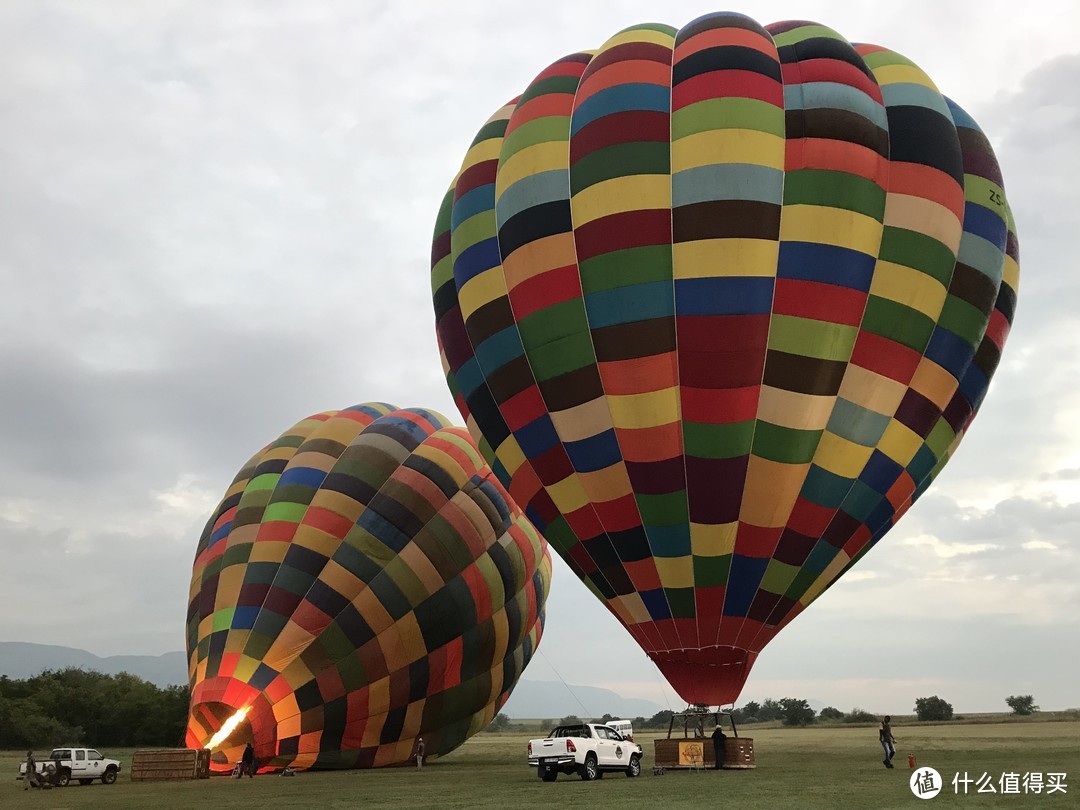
{"x":74,"y":706}
{"x":798,"y":712}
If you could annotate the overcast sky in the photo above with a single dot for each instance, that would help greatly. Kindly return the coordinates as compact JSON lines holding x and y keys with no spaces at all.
{"x":215,"y":219}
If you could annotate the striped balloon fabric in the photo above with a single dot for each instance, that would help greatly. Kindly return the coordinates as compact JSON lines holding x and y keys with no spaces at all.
{"x":718,"y":303}
{"x":365,"y":582}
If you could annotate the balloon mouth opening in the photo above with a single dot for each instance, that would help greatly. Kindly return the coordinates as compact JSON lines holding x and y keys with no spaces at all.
{"x":712,"y":676}
{"x":222,"y":728}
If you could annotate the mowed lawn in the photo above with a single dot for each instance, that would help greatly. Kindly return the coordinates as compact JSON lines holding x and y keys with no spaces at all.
{"x":797,"y":768}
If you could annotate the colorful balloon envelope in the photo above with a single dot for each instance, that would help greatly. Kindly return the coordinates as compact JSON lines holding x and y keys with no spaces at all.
{"x":365,"y":582}
{"x":719,"y":303}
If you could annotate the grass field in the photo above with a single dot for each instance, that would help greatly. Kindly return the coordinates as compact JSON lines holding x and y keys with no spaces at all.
{"x":797,"y":768}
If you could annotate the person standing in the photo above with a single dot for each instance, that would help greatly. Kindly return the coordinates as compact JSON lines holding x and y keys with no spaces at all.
{"x":718,"y":740}
{"x":30,"y":777}
{"x":887,"y":741}
{"x":247,"y":761}
{"x":420,"y":752}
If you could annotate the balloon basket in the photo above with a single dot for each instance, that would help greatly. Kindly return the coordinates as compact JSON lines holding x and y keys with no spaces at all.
{"x":697,"y":753}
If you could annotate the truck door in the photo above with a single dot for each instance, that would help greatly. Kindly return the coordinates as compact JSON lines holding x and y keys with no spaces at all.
{"x":93,"y":764}
{"x":605,"y":748}
{"x":78,"y":764}
{"x":620,"y":749}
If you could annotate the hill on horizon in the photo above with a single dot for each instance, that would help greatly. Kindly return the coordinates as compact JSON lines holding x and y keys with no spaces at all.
{"x":530,"y":699}
{"x":552,"y":699}
{"x":21,"y":659}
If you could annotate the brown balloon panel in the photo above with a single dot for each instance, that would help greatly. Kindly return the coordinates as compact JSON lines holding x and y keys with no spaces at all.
{"x":718,"y":303}
{"x":366,"y":581}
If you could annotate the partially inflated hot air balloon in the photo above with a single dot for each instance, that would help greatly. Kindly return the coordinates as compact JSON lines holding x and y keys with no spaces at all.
{"x":365,"y":581}
{"x":719,"y":303}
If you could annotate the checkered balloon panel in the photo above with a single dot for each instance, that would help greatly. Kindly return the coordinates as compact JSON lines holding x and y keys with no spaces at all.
{"x":366,"y":581}
{"x":718,"y":303}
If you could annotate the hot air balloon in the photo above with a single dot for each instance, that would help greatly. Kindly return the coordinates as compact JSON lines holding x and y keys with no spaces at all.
{"x":718,"y":303}
{"x":364,"y":582}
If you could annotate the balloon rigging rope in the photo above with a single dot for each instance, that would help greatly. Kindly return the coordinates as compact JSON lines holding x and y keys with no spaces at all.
{"x":564,"y":683}
{"x":660,"y":683}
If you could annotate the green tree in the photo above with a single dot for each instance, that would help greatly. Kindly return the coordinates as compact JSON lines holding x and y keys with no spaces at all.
{"x":750,"y":713}
{"x":858,"y":715}
{"x":570,"y":720}
{"x":796,"y":712}
{"x":500,"y":723}
{"x":661,"y":719}
{"x":933,"y":708}
{"x":72,"y":705}
{"x":831,"y":713}
{"x":1022,"y":704}
{"x":771,"y":710}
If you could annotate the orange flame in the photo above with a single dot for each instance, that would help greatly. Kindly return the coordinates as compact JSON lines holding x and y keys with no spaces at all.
{"x":227,"y":728}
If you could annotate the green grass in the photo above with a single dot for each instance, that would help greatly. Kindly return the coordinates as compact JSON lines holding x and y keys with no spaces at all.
{"x":797,"y":768}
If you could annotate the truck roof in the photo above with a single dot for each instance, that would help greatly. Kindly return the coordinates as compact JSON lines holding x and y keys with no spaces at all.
{"x":576,"y":730}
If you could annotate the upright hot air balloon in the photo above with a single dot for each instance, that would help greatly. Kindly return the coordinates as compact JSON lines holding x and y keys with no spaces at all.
{"x":365,"y":581}
{"x":718,"y":303}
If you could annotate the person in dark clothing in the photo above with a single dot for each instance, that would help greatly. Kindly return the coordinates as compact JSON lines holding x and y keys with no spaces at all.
{"x":886,"y":738}
{"x":30,"y":777}
{"x":718,"y":739}
{"x":247,"y":761}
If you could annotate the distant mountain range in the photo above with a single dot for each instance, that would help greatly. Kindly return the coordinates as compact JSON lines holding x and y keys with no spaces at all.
{"x":23,"y":660}
{"x":531,"y":699}
{"x":551,"y":700}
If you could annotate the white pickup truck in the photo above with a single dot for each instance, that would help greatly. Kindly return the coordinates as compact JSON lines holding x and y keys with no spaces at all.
{"x":589,"y":750}
{"x":84,"y":764}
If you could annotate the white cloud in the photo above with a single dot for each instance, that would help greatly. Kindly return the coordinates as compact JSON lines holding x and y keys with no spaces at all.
{"x":945,"y":550}
{"x":1039,"y":545}
{"x":858,"y":575}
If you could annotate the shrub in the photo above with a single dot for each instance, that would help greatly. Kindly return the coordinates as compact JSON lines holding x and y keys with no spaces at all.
{"x":796,"y":712}
{"x":858,"y":715}
{"x":500,"y":723}
{"x":933,"y":708}
{"x":662,"y":719}
{"x":1022,"y":704}
{"x":771,"y":710}
{"x":830,"y":713}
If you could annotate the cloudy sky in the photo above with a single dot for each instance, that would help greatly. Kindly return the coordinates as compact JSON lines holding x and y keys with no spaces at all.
{"x":215,"y":219}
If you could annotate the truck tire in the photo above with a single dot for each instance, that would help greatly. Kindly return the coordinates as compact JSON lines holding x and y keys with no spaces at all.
{"x":109,"y":777}
{"x":634,"y":768}
{"x":65,"y":777}
{"x":589,"y":770}
{"x":550,"y":775}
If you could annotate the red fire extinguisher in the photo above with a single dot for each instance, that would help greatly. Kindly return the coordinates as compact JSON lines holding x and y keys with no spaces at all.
{"x":911,"y":760}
